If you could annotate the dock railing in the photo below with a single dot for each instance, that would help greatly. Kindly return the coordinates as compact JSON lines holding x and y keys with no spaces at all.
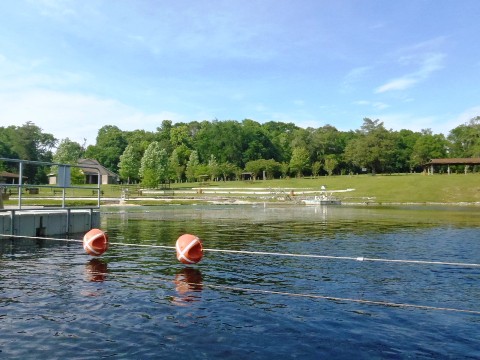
{"x":63,"y":181}
{"x":14,"y":183}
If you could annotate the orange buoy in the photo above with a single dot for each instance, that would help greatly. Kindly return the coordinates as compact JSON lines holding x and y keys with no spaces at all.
{"x":189,"y":249}
{"x":95,"y":242}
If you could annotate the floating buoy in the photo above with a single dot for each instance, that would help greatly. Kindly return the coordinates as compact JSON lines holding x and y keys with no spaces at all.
{"x":189,"y":249}
{"x":95,"y":242}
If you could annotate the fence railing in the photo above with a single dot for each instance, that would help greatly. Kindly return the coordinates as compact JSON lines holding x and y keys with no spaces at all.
{"x":24,"y":185}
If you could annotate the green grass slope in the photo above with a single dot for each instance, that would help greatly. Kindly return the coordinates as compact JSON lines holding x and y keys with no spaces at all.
{"x":401,"y":188}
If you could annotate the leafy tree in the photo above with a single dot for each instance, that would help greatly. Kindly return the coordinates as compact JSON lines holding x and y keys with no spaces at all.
{"x":69,"y":152}
{"x":129,"y":164}
{"x":331,"y":163}
{"x":110,"y":145}
{"x":28,"y":142}
{"x":180,"y":135}
{"x":154,"y":168}
{"x":327,"y":140}
{"x":213,"y":168}
{"x":228,"y":170}
{"x":281,"y":137}
{"x":255,"y":167}
{"x":373,"y":148}
{"x":316,"y":167}
{"x":255,"y":142}
{"x":224,"y":139}
{"x":284,"y":168}
{"x":192,"y":166}
{"x":175,"y":165}
{"x":465,"y":139}
{"x":163,"y":135}
{"x":271,"y":167}
{"x":428,"y":146}
{"x":404,"y":142}
{"x":300,"y":160}
{"x":201,"y":171}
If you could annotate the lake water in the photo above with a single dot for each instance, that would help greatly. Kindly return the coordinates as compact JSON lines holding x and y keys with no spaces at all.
{"x":135,"y":302}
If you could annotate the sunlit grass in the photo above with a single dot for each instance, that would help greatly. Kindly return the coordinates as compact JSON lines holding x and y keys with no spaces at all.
{"x":397,"y":188}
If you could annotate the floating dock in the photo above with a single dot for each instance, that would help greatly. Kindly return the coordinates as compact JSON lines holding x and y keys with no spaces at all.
{"x":43,"y":221}
{"x":48,"y":222}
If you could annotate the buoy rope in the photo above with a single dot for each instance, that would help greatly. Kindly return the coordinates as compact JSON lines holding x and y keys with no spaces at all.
{"x":334,"y":298}
{"x":246,"y":252}
{"x":283,"y":293}
{"x":361,"y":258}
{"x":313,"y":296}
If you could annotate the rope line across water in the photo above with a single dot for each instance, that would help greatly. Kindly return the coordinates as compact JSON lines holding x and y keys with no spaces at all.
{"x":317,"y":296}
{"x":333,"y":298}
{"x":265,"y":253}
{"x":311,"y":296}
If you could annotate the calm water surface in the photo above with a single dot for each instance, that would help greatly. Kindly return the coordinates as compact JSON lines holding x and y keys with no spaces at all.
{"x":141,"y":303}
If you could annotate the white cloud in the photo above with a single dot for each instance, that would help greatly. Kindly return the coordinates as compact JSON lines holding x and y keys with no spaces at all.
{"x":408,"y":121}
{"x":397,"y":84}
{"x":74,"y":115}
{"x":442,"y":125}
{"x":378,"y":105}
{"x":353,"y":77}
{"x":427,"y":63}
{"x":55,"y":8}
{"x":464,"y":117}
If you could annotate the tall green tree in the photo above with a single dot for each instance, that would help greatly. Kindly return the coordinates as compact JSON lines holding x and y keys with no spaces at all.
{"x":331,"y":164}
{"x":465,"y":139}
{"x":228,"y":170}
{"x":316,"y":167}
{"x":69,"y":152}
{"x":300,"y":160}
{"x":28,"y":142}
{"x":213,"y":168}
{"x":373,"y":148}
{"x":110,"y":145}
{"x":176,"y":166}
{"x":193,"y":165}
{"x":428,"y":146}
{"x":130,"y":162}
{"x":154,"y":168}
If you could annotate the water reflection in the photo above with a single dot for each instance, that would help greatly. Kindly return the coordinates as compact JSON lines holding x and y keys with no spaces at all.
{"x":96,"y":270}
{"x":188,"y":284}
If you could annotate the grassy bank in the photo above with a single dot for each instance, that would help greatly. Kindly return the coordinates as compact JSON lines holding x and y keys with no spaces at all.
{"x":398,"y":188}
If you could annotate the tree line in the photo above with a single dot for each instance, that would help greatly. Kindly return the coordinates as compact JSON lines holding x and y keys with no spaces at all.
{"x":225,"y":150}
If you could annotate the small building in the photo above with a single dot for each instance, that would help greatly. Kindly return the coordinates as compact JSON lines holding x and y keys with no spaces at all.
{"x":9,"y":178}
{"x":91,"y":175}
{"x":87,"y":167}
{"x":430,"y":166}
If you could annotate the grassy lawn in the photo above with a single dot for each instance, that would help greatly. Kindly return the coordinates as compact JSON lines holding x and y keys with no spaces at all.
{"x":397,"y":188}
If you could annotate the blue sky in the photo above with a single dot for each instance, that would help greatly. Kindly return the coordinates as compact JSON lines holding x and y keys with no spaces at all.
{"x":72,"y":66}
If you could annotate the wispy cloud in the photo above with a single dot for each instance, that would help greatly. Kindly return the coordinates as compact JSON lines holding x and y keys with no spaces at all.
{"x":427,"y":64}
{"x":27,"y":74}
{"x":399,"y":121}
{"x":353,"y":77}
{"x":378,"y":105}
{"x":465,"y":116}
{"x":54,"y":8}
{"x":84,"y":114}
